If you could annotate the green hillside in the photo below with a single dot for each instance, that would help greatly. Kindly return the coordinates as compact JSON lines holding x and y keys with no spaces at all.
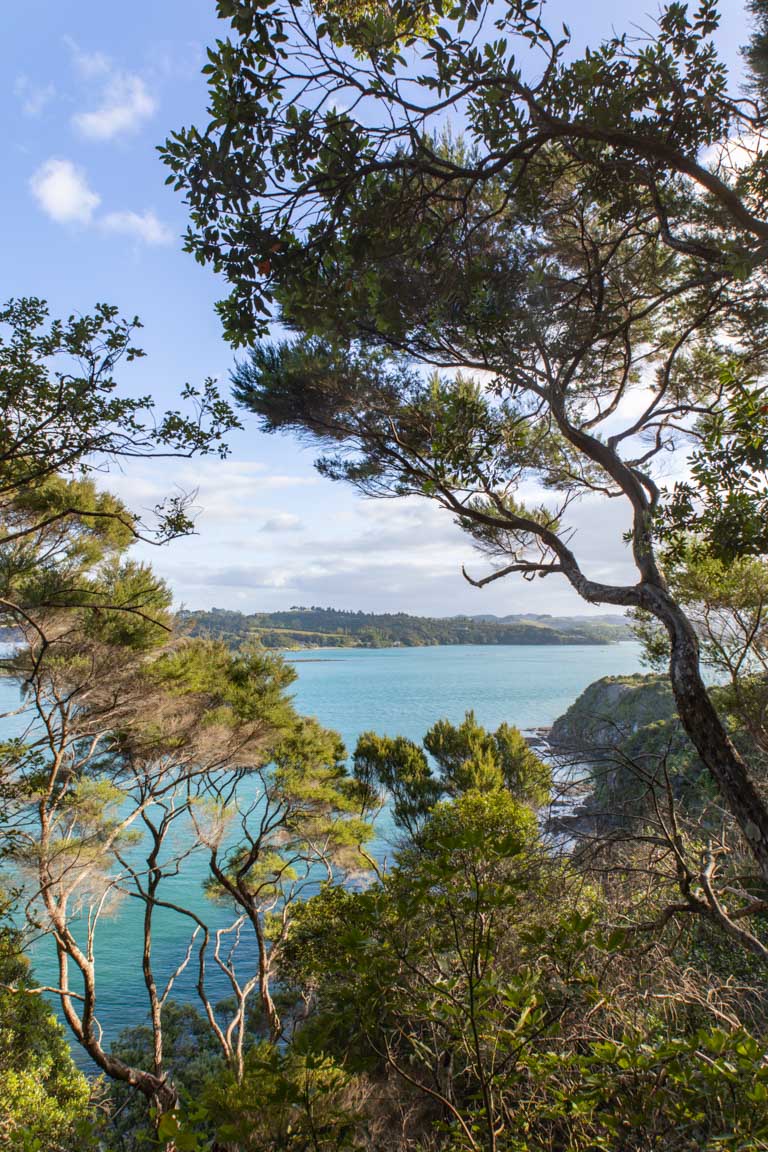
{"x":334,"y":628}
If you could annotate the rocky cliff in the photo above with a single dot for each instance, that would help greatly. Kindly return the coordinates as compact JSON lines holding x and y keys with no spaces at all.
{"x":625,"y":730}
{"x":611,"y":711}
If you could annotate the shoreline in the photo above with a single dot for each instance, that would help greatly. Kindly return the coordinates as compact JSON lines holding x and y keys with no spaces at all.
{"x":580,"y":643}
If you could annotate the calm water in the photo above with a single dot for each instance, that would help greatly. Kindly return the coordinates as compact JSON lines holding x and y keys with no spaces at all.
{"x":398,"y":690}
{"x":404,"y":690}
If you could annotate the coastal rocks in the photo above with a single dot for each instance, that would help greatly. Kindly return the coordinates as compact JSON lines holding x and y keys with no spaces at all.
{"x":610,"y":711}
{"x":537,"y":739}
{"x":621,"y":742}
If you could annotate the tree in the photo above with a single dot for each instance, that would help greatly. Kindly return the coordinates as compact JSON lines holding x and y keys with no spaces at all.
{"x":64,"y":418}
{"x":487,"y":978}
{"x":574,"y":247}
{"x":468,"y":758}
{"x":301,"y":826}
{"x":423,"y":988}
{"x":727,"y":603}
{"x":141,"y":751}
{"x":287,"y":1099}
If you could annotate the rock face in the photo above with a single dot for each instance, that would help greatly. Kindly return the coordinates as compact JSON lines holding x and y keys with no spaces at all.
{"x":610,"y":711}
{"x":624,"y":730}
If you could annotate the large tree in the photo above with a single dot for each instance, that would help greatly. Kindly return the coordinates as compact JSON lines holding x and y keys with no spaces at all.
{"x":64,"y":415}
{"x":597,"y":229}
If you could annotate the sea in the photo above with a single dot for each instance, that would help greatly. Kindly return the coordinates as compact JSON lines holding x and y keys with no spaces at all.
{"x":388,"y":690}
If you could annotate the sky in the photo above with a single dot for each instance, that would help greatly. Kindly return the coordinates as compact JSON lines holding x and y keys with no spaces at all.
{"x":89,"y":90}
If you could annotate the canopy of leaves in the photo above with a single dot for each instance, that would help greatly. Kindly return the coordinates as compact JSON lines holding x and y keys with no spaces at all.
{"x":281,"y":171}
{"x":63,"y":554}
{"x":62,"y":412}
{"x":468,"y":759}
{"x":582,"y":238}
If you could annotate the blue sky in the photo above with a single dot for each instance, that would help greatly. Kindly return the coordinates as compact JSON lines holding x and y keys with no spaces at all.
{"x":89,"y":89}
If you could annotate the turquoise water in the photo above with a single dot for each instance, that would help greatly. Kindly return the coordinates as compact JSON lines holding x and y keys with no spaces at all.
{"x":397,"y":690}
{"x":404,"y":690}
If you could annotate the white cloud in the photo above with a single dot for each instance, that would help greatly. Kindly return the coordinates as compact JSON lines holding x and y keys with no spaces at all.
{"x":88,"y":64}
{"x":125,"y":104}
{"x":251,"y":577}
{"x":122,"y":105}
{"x":282,"y":522}
{"x":144,"y":226}
{"x":228,"y":494}
{"x":34,"y":97}
{"x":279,"y":481}
{"x":62,"y":191}
{"x":268,"y":539}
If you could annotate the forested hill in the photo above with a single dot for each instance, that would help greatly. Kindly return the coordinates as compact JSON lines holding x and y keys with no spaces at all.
{"x":333,"y":628}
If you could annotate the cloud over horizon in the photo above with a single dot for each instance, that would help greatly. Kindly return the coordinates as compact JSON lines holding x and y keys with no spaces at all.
{"x":263,"y":546}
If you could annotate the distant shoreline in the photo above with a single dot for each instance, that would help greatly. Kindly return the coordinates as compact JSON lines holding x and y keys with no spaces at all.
{"x":312,"y":629}
{"x":295,"y":653}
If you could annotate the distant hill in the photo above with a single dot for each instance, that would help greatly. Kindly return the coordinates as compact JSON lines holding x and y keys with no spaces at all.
{"x":335,"y":628}
{"x":562,"y":622}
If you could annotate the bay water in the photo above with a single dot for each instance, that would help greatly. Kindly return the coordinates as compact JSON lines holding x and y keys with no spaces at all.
{"x":389,"y":690}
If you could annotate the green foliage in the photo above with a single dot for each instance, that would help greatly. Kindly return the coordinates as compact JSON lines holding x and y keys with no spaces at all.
{"x":245,"y":687}
{"x":724,"y":503}
{"x":63,"y":548}
{"x":453,"y":434}
{"x":727,"y":602}
{"x":756,"y":51}
{"x":468,"y":759}
{"x":128,"y":606}
{"x":399,"y":766}
{"x":372,"y":26}
{"x":285,"y":1102}
{"x":308,"y":818}
{"x":62,"y":414}
{"x":192,"y":1057}
{"x":477,"y":830}
{"x":438,"y":963}
{"x":45,"y":1102}
{"x":283,"y":1099}
{"x":647,"y":1089}
{"x":62,"y":541}
{"x":664,"y":98}
{"x":479,"y":976}
{"x":138,"y":744}
{"x":588,"y":238}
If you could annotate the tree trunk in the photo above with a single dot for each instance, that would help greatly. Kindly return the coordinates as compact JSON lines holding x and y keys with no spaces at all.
{"x":707,"y":734}
{"x":161,"y":1094}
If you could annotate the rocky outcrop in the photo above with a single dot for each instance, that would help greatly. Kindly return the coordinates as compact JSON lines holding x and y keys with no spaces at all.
{"x":624,"y":733}
{"x":611,"y":711}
